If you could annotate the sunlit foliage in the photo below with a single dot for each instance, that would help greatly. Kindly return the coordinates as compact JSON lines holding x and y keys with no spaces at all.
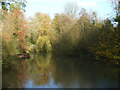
{"x":41,"y":32}
{"x":43,"y":44}
{"x":14,"y":33}
{"x":65,"y":34}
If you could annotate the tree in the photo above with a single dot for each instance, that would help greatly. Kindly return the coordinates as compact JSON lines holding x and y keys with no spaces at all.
{"x":40,"y":25}
{"x":41,"y":32}
{"x":14,"y":32}
{"x":63,"y":22}
{"x":71,"y":9}
{"x":8,"y":4}
{"x":116,"y":4}
{"x":44,"y":23}
{"x":20,"y":29}
{"x":94,"y":18}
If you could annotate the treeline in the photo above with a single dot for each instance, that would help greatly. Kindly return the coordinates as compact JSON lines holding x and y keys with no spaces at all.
{"x":65,"y":34}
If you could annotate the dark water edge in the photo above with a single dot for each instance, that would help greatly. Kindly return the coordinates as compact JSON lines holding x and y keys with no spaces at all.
{"x":48,"y":71}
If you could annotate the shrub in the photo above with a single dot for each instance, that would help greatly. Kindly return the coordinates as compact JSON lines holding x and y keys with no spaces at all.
{"x":43,"y":44}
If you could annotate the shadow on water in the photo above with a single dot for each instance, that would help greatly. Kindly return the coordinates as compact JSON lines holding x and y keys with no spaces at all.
{"x":47,"y":71}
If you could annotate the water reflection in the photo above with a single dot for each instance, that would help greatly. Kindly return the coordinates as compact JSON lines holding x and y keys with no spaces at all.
{"x":60,"y":72}
{"x":39,"y":69}
{"x":15,"y":76}
{"x":84,"y":73}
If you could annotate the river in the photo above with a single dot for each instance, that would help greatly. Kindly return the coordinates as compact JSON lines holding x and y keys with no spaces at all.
{"x":47,"y":71}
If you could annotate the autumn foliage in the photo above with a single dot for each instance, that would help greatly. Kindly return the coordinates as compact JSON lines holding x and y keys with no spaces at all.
{"x":14,"y":32}
{"x":65,"y":34}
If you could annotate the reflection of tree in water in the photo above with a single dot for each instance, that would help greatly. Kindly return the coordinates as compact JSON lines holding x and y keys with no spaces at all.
{"x":67,"y":72}
{"x":22,"y":70}
{"x":40,"y":69}
{"x":15,"y":77}
{"x":22,"y":73}
{"x":64,"y":72}
{"x":83,"y":73}
{"x":95,"y":74}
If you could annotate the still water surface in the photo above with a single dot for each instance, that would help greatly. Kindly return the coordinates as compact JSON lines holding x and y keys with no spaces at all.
{"x":46,"y":71}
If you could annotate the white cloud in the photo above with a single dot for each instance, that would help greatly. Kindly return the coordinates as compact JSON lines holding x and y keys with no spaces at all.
{"x":83,"y":4}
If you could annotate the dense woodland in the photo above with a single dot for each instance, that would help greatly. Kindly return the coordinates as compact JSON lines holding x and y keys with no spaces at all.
{"x":74,"y":32}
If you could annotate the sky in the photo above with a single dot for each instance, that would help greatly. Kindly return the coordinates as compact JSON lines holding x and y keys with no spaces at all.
{"x":50,"y":7}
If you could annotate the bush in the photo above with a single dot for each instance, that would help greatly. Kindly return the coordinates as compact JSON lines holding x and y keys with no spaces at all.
{"x":43,"y":44}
